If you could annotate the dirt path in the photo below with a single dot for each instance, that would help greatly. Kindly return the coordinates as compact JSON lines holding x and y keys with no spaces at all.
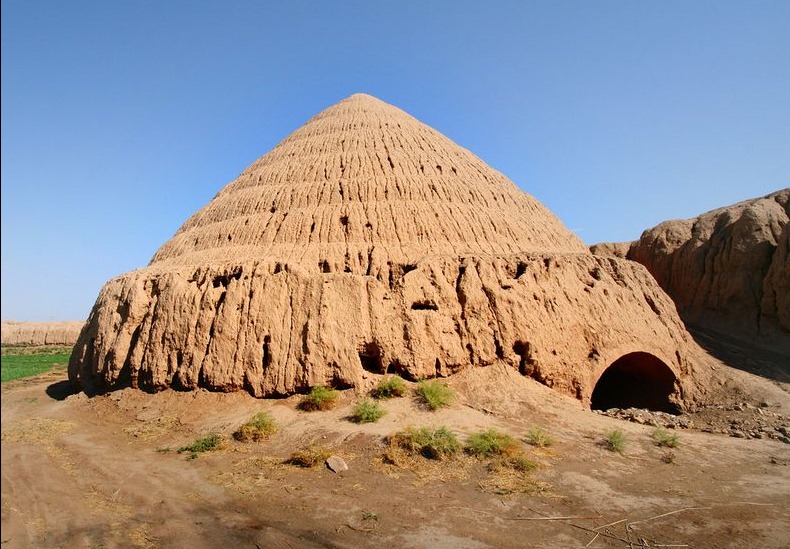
{"x":94,"y":473}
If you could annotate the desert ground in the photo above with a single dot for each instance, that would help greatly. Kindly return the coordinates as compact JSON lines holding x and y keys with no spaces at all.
{"x":104,"y":471}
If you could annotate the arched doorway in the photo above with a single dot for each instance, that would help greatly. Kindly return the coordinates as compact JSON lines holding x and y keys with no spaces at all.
{"x":635,"y":380}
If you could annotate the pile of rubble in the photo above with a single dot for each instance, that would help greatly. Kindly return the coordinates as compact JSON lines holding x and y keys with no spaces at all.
{"x":742,"y":420}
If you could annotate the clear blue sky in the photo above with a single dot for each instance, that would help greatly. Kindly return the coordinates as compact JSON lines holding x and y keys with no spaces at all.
{"x":122,"y":118}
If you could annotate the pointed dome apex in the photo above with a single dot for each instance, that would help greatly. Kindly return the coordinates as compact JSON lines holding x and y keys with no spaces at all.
{"x":363,"y":97}
{"x":359,"y":184}
{"x":366,"y":100}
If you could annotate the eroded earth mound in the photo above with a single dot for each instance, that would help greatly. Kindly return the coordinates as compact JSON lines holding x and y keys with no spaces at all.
{"x":727,"y":270}
{"x":368,"y":243}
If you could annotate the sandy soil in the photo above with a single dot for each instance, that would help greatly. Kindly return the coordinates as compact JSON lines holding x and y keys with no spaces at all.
{"x":95,"y":473}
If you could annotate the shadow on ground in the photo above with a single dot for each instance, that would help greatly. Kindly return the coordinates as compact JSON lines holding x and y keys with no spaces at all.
{"x":770,"y":364}
{"x":61,"y":390}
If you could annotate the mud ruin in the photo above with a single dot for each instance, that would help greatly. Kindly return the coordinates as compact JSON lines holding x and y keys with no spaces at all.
{"x":367,"y":243}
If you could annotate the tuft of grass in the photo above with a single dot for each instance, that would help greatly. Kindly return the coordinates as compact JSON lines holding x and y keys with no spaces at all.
{"x":205,"y":444}
{"x":536,"y":436}
{"x":309,"y":457}
{"x":521,"y":463}
{"x":665,"y":439}
{"x":615,"y":441}
{"x":21,"y":362}
{"x":434,"y":394}
{"x":390,"y":386}
{"x":491,"y":443}
{"x":319,"y":398}
{"x":436,"y":444}
{"x":260,"y":427}
{"x":367,"y":411}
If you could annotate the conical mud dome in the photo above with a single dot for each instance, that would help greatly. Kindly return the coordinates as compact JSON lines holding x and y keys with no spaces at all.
{"x":361,"y":184}
{"x":368,"y":243}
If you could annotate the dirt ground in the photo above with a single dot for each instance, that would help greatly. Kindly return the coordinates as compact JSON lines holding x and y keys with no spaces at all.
{"x":103,"y":472}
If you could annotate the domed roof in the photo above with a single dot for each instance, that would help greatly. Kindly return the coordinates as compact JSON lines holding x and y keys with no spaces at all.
{"x":361,"y":175}
{"x":366,"y":244}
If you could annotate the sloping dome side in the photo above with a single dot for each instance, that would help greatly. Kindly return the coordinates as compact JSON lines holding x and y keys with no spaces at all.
{"x":363,"y":179}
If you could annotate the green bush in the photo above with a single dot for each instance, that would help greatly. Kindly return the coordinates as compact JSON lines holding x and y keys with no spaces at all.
{"x":615,"y":441}
{"x":319,"y":398}
{"x":434,"y":394}
{"x":666,"y":439}
{"x":367,"y":411}
{"x":491,"y":443}
{"x":538,"y":437}
{"x":205,"y":444}
{"x":390,"y":386}
{"x":259,"y":427}
{"x":433,"y":444}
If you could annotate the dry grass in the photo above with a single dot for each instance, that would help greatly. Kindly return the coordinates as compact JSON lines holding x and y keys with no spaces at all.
{"x":153,"y":428}
{"x":36,"y":431}
{"x":434,"y":394}
{"x":260,"y":427}
{"x":319,"y":398}
{"x":504,"y":478}
{"x":309,"y":457}
{"x":615,"y":441}
{"x":252,"y":476}
{"x":367,"y":411}
{"x":539,"y":438}
{"x":489,"y":443}
{"x":389,"y":387}
{"x":436,"y":444}
{"x":397,"y":463}
{"x":665,"y":439}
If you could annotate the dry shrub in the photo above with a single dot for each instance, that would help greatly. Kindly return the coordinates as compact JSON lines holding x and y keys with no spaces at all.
{"x":260,"y":427}
{"x":538,"y":437}
{"x":665,"y":439}
{"x":319,"y":398}
{"x":436,"y":444}
{"x":504,"y":479}
{"x":491,"y":443}
{"x":309,"y":457}
{"x":434,"y":394}
{"x":367,"y":411}
{"x":153,"y":428}
{"x":389,"y":387}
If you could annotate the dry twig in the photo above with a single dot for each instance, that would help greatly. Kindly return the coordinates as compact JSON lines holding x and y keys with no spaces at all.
{"x":666,"y":515}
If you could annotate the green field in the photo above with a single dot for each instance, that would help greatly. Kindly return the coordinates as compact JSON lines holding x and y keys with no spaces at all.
{"x":19,"y":362}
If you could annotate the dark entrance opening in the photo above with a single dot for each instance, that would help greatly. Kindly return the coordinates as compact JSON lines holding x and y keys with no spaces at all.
{"x":636,"y":380}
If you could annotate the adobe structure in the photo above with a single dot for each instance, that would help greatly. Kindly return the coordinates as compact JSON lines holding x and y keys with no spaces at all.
{"x":39,"y":334}
{"x":367,"y":243}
